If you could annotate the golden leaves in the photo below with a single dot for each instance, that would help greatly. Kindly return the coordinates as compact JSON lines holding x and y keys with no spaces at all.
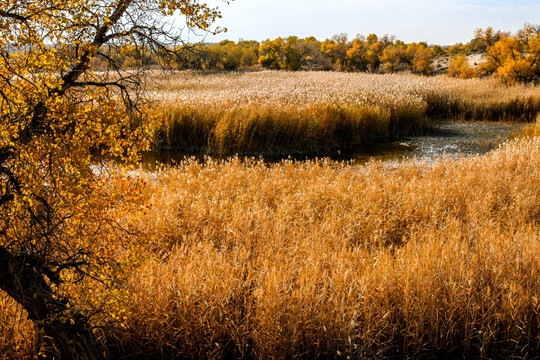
{"x":63,"y":126}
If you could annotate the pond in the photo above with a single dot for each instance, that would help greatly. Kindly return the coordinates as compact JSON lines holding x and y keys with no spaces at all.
{"x":447,"y":138}
{"x":454,"y":139}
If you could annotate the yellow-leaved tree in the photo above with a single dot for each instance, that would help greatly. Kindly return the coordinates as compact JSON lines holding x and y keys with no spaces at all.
{"x":515,"y":59}
{"x":459,"y":67}
{"x":59,"y":119}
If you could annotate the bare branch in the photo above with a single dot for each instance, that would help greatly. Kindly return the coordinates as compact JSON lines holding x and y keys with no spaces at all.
{"x":5,"y":14}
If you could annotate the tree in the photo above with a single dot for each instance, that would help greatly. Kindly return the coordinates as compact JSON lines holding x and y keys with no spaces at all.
{"x":373,"y":53}
{"x":230,"y":55}
{"x":356,"y":55}
{"x":515,"y":58}
{"x":459,"y":67}
{"x":59,"y":119}
{"x":438,"y":50}
{"x":250,"y":53}
{"x":336,"y":50}
{"x":457,"y":49}
{"x":418,"y":57}
{"x":484,"y":39}
{"x":393,"y":55}
{"x":294,"y":53}
{"x":271,"y":54}
{"x":315,"y":58}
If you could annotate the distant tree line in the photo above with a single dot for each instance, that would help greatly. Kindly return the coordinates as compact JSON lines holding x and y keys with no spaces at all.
{"x":514,"y":58}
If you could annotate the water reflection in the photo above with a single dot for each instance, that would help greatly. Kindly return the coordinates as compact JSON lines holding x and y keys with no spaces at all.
{"x":453,"y":139}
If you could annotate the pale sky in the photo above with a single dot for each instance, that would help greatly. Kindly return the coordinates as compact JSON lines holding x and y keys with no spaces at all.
{"x":443,"y":22}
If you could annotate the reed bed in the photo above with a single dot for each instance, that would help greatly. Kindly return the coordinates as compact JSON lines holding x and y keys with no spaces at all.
{"x":321,"y":259}
{"x":276,"y":113}
{"x":532,"y":130}
{"x":271,"y":131}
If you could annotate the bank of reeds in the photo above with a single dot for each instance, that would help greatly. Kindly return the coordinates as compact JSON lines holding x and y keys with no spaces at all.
{"x":315,"y":129}
{"x":532,"y":130}
{"x":325,"y":260}
{"x":480,"y":100}
{"x":276,"y":113}
{"x":321,"y":259}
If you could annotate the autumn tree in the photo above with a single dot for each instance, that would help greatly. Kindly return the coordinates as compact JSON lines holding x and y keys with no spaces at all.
{"x":374,"y":49}
{"x":515,"y":58}
{"x":418,"y":57}
{"x":438,"y":50}
{"x":456,"y":49}
{"x":314,"y":57}
{"x":484,"y":39}
{"x":393,"y":56}
{"x":271,"y":53}
{"x":229,"y":55}
{"x":59,"y":119}
{"x":355,"y":59}
{"x":336,"y":49}
{"x":250,"y":52}
{"x":294,"y":53}
{"x":459,"y":67}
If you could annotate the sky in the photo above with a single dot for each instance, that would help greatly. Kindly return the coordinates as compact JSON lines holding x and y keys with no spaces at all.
{"x":443,"y":22}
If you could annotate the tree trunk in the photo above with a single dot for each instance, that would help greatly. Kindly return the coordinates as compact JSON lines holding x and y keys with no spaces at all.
{"x":68,"y":329}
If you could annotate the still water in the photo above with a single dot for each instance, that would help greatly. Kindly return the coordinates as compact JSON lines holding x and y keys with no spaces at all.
{"x":447,"y":138}
{"x":454,"y":139}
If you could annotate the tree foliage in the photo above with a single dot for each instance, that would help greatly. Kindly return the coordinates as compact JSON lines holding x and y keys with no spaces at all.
{"x":271,"y":54}
{"x":513,"y":58}
{"x":459,"y":67}
{"x":516,"y":58}
{"x":60,"y":120}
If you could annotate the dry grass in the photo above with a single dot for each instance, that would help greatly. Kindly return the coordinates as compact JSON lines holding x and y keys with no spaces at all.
{"x":274,"y":131}
{"x":275,"y":113}
{"x":324,"y":259}
{"x":533,"y":129}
